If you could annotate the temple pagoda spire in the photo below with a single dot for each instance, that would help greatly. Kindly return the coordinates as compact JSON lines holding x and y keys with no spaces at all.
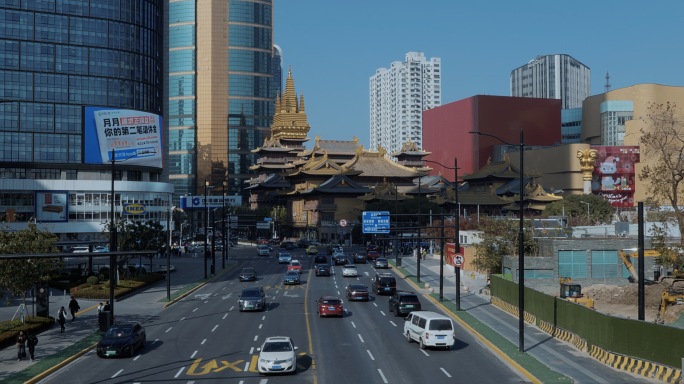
{"x":289,"y":121}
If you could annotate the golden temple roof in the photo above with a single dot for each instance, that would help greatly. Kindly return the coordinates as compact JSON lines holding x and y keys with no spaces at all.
{"x":289,"y":121}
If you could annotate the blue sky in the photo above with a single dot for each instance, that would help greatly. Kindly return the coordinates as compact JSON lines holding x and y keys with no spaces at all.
{"x":334,"y":47}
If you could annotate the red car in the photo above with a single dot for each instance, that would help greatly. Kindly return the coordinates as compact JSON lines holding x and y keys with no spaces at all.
{"x":357,"y":292}
{"x":295,"y":265}
{"x":372,"y":255}
{"x":330,"y":306}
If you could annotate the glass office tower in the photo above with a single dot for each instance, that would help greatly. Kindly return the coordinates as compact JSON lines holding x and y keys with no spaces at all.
{"x":221,"y":92}
{"x":56,"y":57}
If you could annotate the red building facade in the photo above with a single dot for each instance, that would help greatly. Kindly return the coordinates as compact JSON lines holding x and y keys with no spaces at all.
{"x":445,"y":129}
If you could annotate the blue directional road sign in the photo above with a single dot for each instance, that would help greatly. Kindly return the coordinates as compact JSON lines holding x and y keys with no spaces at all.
{"x":376,"y":221}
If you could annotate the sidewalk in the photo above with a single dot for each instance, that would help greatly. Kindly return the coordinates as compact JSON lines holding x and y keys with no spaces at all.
{"x":501,"y":329}
{"x":137,"y":307}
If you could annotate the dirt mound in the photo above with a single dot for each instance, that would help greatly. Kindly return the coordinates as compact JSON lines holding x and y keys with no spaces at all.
{"x":624,"y":295}
{"x":623,"y":301}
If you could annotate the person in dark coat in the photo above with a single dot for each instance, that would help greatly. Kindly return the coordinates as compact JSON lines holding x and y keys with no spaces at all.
{"x":21,"y":345}
{"x":73,"y":308}
{"x":61,"y":318}
{"x":31,"y":342}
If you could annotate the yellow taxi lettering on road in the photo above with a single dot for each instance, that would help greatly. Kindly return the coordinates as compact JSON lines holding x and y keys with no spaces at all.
{"x":211,"y":366}
{"x":227,"y":364}
{"x":206,"y":368}
{"x":253,"y":364}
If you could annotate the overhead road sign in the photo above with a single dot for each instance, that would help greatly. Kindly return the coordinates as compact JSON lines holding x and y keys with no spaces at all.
{"x":376,"y":221}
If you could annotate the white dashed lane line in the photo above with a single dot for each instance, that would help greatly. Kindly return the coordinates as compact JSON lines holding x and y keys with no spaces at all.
{"x":370,"y":354}
{"x":445,"y":372}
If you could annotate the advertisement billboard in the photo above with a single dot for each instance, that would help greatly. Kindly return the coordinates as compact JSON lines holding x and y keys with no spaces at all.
{"x":197,"y":202}
{"x":132,"y":136}
{"x":52,"y":206}
{"x":613,"y":176}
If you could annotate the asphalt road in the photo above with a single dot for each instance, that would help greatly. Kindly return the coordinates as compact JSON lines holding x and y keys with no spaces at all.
{"x":205,"y":338}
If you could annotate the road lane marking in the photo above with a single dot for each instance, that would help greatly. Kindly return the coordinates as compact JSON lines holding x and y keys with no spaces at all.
{"x":155,"y":340}
{"x":193,"y":355}
{"x":231,"y":308}
{"x":215,"y":326}
{"x":182,"y":318}
{"x":203,"y":341}
{"x":117,"y":373}
{"x":167,"y":331}
{"x":392,"y":322}
{"x":370,"y":354}
{"x":445,"y":372}
{"x":383,"y":376}
{"x":383,"y":313}
{"x":256,"y":337}
{"x":195,"y":309}
{"x":375,"y":304}
{"x":224,"y":316}
{"x":179,"y":372}
{"x":353,"y":325}
{"x":251,"y":351}
{"x":424,"y":353}
{"x":136,"y":357}
{"x":361,"y":338}
{"x":247,"y":366}
{"x":263,"y":317}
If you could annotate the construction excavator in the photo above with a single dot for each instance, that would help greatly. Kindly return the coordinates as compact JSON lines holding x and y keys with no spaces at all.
{"x":669,"y":297}
{"x":573,"y":292}
{"x":626,"y":255}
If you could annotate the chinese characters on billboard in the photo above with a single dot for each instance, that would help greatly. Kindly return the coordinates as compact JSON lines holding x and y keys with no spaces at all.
{"x":614,"y":176}
{"x":133,"y":136}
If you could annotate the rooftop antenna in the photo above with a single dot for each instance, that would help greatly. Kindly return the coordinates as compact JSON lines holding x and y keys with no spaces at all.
{"x":607,"y":86}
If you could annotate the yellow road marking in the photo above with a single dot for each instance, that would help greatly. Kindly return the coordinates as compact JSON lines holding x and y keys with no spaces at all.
{"x":308,"y":330}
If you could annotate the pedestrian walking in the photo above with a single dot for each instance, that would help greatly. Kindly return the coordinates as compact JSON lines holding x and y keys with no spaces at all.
{"x":31,"y":342}
{"x":61,"y":318}
{"x":73,"y":308}
{"x":21,"y":345}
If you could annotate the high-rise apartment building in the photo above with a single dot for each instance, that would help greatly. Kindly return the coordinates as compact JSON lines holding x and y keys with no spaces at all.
{"x":58,"y":57}
{"x":221,"y":93}
{"x":553,"y":77}
{"x":398,"y":97}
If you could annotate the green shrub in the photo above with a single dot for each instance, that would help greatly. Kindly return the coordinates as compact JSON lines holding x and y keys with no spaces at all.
{"x":93,"y":280}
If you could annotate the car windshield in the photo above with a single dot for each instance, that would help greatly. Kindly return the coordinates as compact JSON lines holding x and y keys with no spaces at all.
{"x":350,"y":266}
{"x":248,"y":270}
{"x":409,"y":299}
{"x":358,"y":287}
{"x":251,"y":294}
{"x":292,"y":273}
{"x":277,"y":346}
{"x":440,"y":325}
{"x":119,"y":332}
{"x":294,"y":264}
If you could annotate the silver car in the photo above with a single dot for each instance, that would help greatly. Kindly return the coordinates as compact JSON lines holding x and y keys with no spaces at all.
{"x":350,"y":271}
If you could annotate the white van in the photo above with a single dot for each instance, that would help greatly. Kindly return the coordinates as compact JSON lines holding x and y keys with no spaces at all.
{"x":429,"y":329}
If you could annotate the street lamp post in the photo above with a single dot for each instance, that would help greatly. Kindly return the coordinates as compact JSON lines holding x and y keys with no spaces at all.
{"x":419,"y":254}
{"x":168,"y":254}
{"x":112,"y":246}
{"x":206,"y":229}
{"x":521,"y":238}
{"x":457,"y":269}
{"x":583,"y":202}
{"x":223,"y":226}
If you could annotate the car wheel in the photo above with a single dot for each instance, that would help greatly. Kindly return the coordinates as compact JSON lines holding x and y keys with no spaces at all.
{"x":408,"y":337}
{"x":421,"y":344}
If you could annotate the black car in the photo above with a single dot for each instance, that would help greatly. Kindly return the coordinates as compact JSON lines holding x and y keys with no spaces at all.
{"x":322,"y":270}
{"x":289,"y":245}
{"x":248,"y":274}
{"x":320,"y":259}
{"x":252,"y":299}
{"x":341,"y":260}
{"x":384,"y":283}
{"x":402,"y":303}
{"x":122,"y":340}
{"x":359,"y":258}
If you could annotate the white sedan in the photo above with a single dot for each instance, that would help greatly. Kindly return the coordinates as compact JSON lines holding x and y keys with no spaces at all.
{"x":349,"y":271}
{"x":277,"y":354}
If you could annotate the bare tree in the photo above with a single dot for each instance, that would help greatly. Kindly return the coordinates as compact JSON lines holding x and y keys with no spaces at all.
{"x":662,"y":138}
